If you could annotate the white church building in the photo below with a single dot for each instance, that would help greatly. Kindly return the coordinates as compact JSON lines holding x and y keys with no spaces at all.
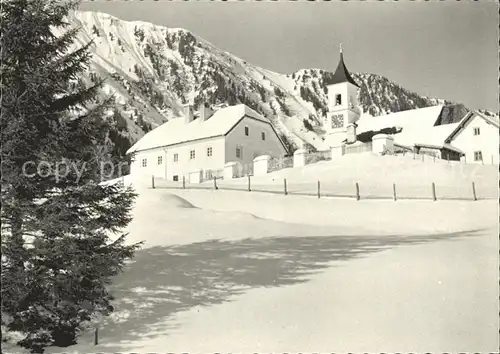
{"x":343,"y":110}
{"x":203,"y":142}
{"x":474,"y":139}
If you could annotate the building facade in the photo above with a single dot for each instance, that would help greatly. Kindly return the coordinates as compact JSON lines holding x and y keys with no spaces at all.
{"x":475,"y":138}
{"x":477,"y":135}
{"x":186,"y":145}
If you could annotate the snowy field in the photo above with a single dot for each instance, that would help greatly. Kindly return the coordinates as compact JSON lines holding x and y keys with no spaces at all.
{"x":227,"y":271}
{"x":375,"y":176}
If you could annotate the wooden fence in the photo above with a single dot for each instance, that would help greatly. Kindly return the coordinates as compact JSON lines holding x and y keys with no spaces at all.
{"x":354,"y":190}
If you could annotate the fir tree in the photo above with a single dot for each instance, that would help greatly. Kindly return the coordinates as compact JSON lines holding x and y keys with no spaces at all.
{"x":61,"y":240}
{"x":290,"y":146}
{"x":95,"y":30}
{"x":308,"y":125}
{"x":139,"y":34}
{"x":120,"y":122}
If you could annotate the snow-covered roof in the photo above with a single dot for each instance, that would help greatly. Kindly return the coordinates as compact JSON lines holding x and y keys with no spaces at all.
{"x":417,"y":126}
{"x":177,"y":131}
{"x":441,"y":146}
{"x":438,"y":134}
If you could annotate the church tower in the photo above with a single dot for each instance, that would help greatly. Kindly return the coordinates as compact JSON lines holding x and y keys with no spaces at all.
{"x":343,"y":110}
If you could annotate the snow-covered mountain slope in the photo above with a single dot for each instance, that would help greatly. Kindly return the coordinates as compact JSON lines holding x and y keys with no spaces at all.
{"x":153,"y":71}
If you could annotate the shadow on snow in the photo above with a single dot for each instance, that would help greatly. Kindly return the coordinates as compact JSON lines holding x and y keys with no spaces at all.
{"x":162,"y":281}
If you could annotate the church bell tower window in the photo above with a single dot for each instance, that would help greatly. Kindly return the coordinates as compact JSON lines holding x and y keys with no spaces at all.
{"x":338,"y":100}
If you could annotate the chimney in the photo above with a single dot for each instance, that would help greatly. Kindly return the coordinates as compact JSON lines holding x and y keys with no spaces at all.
{"x":188,"y":113}
{"x":205,"y":112}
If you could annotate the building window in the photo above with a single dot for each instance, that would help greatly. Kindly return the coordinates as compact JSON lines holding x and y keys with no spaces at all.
{"x":176,"y":178}
{"x":160,"y":160}
{"x":263,"y":135}
{"x":192,"y":154}
{"x":209,"y":151}
{"x":176,"y":157}
{"x":239,"y":152}
{"x":144,"y":162}
{"x":477,"y":131}
{"x":246,"y":131}
{"x":338,"y":100}
{"x":478,"y":156}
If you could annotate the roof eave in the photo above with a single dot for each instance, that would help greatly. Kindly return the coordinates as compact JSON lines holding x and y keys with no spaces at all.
{"x":487,"y":119}
{"x":460,"y":126}
{"x":179,"y":143}
{"x":440,"y":147}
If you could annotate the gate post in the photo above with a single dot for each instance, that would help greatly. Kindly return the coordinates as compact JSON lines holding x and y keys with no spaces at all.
{"x":299,"y":158}
{"x":260,"y":165}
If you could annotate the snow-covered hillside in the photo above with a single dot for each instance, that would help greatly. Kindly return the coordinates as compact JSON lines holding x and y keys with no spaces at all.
{"x":245,"y":273}
{"x":250,"y":268}
{"x":153,"y":71}
{"x":375,"y":176}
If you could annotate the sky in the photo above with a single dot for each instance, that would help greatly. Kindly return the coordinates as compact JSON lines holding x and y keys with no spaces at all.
{"x":445,"y":49}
